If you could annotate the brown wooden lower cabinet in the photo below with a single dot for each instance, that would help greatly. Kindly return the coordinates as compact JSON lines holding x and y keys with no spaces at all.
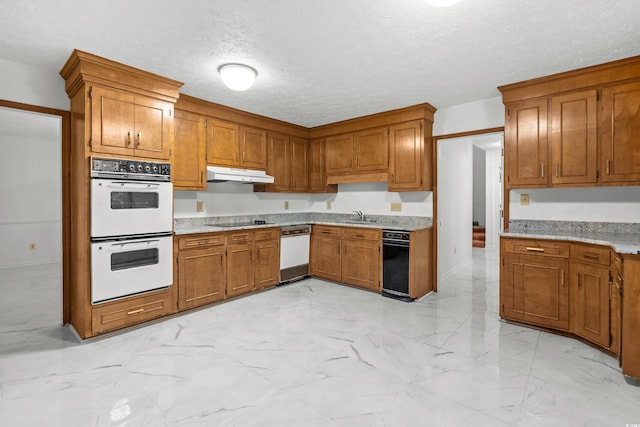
{"x":571,"y":287}
{"x":240,"y":278}
{"x":201,"y":271}
{"x":267,"y":258}
{"x":325,"y":259}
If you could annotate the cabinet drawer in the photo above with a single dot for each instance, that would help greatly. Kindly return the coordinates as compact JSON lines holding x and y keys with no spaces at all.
{"x":129,"y":312}
{"x":243,"y":236}
{"x":199,"y":241}
{"x":591,"y":254}
{"x":327,"y":230}
{"x":537,"y":247}
{"x":267,"y":234}
{"x":361,"y":233}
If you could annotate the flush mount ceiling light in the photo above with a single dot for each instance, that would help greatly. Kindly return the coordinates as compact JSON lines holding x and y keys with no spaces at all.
{"x":442,"y":3}
{"x":237,"y":76}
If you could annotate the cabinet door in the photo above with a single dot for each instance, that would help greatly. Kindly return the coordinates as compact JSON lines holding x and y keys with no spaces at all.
{"x":267,"y":263}
{"x":201,"y":276}
{"x":573,"y":138}
{"x":317,"y":178}
{"x":526,"y":143}
{"x":361,"y":263}
{"x":222,"y":143}
{"x":112,"y":121}
{"x":240,"y":279}
{"x":253,"y":148}
{"x":299,"y":164}
{"x":189,"y":161}
{"x":534,"y":290}
{"x":590,"y":301}
{"x":406,"y":157}
{"x":620,"y":133}
{"x":339,"y":153}
{"x":371,"y":149}
{"x":153,"y":128}
{"x":279,"y":162}
{"x":325,"y":259}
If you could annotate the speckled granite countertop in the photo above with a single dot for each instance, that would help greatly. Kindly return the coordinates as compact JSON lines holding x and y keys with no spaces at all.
{"x":213,"y":224}
{"x":623,"y":238}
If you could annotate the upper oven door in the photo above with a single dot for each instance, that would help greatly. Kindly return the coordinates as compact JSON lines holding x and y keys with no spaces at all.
{"x":121,"y":208}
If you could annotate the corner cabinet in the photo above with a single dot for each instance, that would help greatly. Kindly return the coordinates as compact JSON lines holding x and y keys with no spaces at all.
{"x":326,"y":252}
{"x":288,"y":163}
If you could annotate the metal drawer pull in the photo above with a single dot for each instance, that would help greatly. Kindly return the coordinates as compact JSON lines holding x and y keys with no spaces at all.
{"x":140,"y":310}
{"x":535,"y":249}
{"x":591,"y":256}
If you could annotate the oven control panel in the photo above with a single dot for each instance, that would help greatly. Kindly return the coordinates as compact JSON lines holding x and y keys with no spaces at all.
{"x":138,"y":170}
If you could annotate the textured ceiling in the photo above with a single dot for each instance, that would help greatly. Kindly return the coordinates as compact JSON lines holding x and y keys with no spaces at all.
{"x":329,"y":60}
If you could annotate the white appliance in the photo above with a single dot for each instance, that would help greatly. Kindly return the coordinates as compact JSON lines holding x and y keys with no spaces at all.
{"x":131,"y":227}
{"x":127,"y":267}
{"x":294,"y":252}
{"x":247,"y":176}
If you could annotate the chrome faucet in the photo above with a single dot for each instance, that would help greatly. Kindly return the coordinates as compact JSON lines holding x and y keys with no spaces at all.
{"x":360,"y":215}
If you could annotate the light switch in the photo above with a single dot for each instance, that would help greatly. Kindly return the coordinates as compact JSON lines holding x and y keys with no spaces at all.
{"x":396,"y":207}
{"x":524,"y":200}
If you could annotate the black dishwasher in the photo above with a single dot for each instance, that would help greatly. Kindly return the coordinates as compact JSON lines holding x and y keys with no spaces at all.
{"x":395,"y":264}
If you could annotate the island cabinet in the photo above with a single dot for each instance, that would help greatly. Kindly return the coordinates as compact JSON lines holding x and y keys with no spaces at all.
{"x":566,"y":286}
{"x":534,"y":288}
{"x":267,"y":259}
{"x":578,"y":128}
{"x":347,"y":255}
{"x":189,"y":157}
{"x":233,"y":145}
{"x":326,"y":252}
{"x":240,"y":268}
{"x":200,"y":269}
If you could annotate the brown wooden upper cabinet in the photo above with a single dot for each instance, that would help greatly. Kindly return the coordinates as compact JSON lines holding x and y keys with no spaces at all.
{"x":288,"y":164}
{"x":360,"y":151}
{"x":573,"y":138}
{"x":526,"y":143}
{"x":621,"y":133}
{"x":189,"y":161}
{"x":579,"y":128}
{"x":409,"y":157}
{"x":128,"y":124}
{"x":232,"y":145}
{"x":317,"y":171}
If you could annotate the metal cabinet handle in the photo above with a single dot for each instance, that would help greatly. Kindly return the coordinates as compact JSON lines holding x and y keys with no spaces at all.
{"x":542,"y":170}
{"x":139,"y":139}
{"x":557,"y":169}
{"x":608,"y":167}
{"x":591,"y":256}
{"x":535,"y":249}
{"x":140,"y":310}
{"x":129,"y":138}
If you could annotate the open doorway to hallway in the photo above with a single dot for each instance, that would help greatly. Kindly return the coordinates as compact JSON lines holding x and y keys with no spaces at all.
{"x":467,"y":194}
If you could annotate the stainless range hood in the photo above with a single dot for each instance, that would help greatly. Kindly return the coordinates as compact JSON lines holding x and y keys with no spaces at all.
{"x":246,"y":176}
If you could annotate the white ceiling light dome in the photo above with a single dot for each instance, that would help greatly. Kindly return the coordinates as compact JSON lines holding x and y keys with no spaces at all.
{"x":442,"y":3}
{"x":238,"y":76}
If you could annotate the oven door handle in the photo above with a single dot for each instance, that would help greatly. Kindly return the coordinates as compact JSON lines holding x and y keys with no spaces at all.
{"x":396,"y":244}
{"x":128,"y":246}
{"x":126,"y":185}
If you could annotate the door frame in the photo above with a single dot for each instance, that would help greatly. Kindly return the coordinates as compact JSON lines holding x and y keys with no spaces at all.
{"x":436,"y":139}
{"x":66,"y":195}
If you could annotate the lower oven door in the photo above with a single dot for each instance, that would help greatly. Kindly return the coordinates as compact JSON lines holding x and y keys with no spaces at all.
{"x":120,"y":208}
{"x":127,"y":267}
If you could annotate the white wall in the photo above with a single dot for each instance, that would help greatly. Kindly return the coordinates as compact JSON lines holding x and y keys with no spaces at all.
{"x":32,"y":85}
{"x":484,"y":114}
{"x":455,"y":198}
{"x":493,"y":167}
{"x":239,"y":199}
{"x":602,"y":204}
{"x":30,"y":188}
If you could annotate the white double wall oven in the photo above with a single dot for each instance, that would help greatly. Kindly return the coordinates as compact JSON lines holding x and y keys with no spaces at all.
{"x":131,"y":228}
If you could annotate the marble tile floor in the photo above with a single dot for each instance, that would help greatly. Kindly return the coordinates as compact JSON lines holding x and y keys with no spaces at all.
{"x":312,"y":353}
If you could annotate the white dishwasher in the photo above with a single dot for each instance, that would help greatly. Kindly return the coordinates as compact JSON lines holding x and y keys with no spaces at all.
{"x":294,"y":252}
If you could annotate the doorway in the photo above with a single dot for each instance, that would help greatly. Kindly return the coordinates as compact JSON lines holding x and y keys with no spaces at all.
{"x":33,"y":216}
{"x":454,"y":196}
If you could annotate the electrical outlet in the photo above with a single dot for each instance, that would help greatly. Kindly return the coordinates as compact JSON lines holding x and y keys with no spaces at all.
{"x":286,"y":205}
{"x":524,"y":200}
{"x":396,"y":207}
{"x":32,"y":246}
{"x":328,"y":206}
{"x":199,"y":206}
